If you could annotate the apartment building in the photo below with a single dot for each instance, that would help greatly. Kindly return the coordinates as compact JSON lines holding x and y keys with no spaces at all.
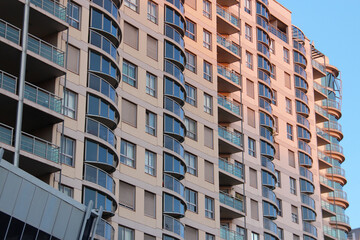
{"x":189,"y":119}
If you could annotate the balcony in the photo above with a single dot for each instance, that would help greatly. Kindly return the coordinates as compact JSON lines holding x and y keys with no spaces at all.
{"x":270,"y":195}
{"x":227,"y":23}
{"x":174,"y":185}
{"x":283,"y":36}
{"x":228,"y":80}
{"x":334,"y":234}
{"x":322,"y":137}
{"x":319,"y":69}
{"x":340,"y":198}
{"x":328,"y":209}
{"x":104,"y":230}
{"x":341,"y":221}
{"x":320,"y":93}
{"x":336,"y":151}
{"x":227,"y":3}
{"x":271,"y":227}
{"x":174,"y":226}
{"x":305,"y":173}
{"x":227,"y":51}
{"x":230,"y":207}
{"x":268,"y":166}
{"x":227,"y":234}
{"x":229,"y":174}
{"x":337,"y":173}
{"x":333,"y":107}
{"x":228,"y":110}
{"x":334,"y":128}
{"x":324,"y":160}
{"x":229,"y":142}
{"x":326,"y":185}
{"x":101,"y":178}
{"x":308,"y":201}
{"x":309,"y":228}
{"x":321,"y":114}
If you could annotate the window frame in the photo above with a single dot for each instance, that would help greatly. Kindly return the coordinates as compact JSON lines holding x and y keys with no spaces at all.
{"x":293,"y":186}
{"x":207,"y":36}
{"x":189,"y":134}
{"x":247,"y":6}
{"x":152,"y":130}
{"x":248,"y":32}
{"x":70,"y":19}
{"x":126,"y":64}
{"x":152,"y":16}
{"x":66,"y":107}
{"x":193,"y":67}
{"x":191,"y":161}
{"x":208,"y":103}
{"x":193,"y":205}
{"x":286,"y":55}
{"x":207,"y":74}
{"x":150,"y":169}
{"x":209,"y":208}
{"x":249,"y":60}
{"x":207,"y":9}
{"x":188,"y":33}
{"x":132,"y":4}
{"x":289,"y":131}
{"x":191,"y":101}
{"x":124,"y":155}
{"x":65,"y":140}
{"x":149,"y":90}
{"x":122,"y":230}
{"x":288,"y":105}
{"x":251,"y":147}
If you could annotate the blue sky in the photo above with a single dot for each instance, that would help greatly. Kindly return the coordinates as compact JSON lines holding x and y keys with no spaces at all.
{"x":334,"y":26}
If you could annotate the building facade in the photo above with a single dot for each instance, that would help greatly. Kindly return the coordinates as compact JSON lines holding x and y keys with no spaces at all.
{"x":170,"y":115}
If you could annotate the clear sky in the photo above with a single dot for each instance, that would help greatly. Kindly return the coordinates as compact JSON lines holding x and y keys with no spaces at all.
{"x":334,"y":26}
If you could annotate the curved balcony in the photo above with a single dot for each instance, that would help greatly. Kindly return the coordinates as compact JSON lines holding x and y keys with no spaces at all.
{"x":104,"y":230}
{"x":305,"y":160}
{"x":264,"y":77}
{"x":306,"y":174}
{"x":267,"y":134}
{"x":341,"y":221}
{"x":302,"y":108}
{"x":264,"y":64}
{"x":174,"y":127}
{"x":101,"y":131}
{"x":270,"y":210}
{"x":174,"y":185}
{"x":326,"y":185}
{"x":268,"y":165}
{"x":328,"y":209}
{"x":175,"y":54}
{"x":334,"y":234}
{"x":333,"y":107}
{"x":111,"y":7}
{"x":324,"y":160}
{"x":102,"y":86}
{"x":304,"y":146}
{"x":106,"y":26}
{"x":99,"y":177}
{"x":322,"y":137}
{"x":264,"y":49}
{"x":230,"y":174}
{"x":271,"y":227}
{"x":308,"y":214}
{"x":174,"y":107}
{"x":300,"y":59}
{"x":306,"y":187}
{"x":227,"y":51}
{"x":174,"y":226}
{"x":261,"y":22}
{"x":301,"y":95}
{"x":174,"y":166}
{"x":303,"y":134}
{"x":262,"y":10}
{"x":174,"y":145}
{"x":178,"y":4}
{"x":227,"y":23}
{"x":303,"y":121}
{"x":228,"y":111}
{"x":320,"y":93}
{"x":100,"y":156}
{"x":173,"y":206}
{"x":265,"y":105}
{"x":227,"y":234}
{"x":103,"y":111}
{"x":267,"y":149}
{"x":268,"y":179}
{"x":104,"y":67}
{"x":337,"y":173}
{"x":297,"y":33}
{"x":175,"y":72}
{"x":266,"y":120}
{"x":230,"y":207}
{"x":269,"y":195}
{"x":229,"y":142}
{"x":174,"y":90}
{"x":174,"y":34}
{"x":175,"y":19}
{"x":336,"y":151}
{"x":334,"y":128}
{"x":321,"y":114}
{"x":340,"y":198}
{"x":300,"y":70}
{"x":228,"y":80}
{"x":100,"y":199}
{"x":104,"y":44}
{"x":299,"y":47}
{"x":308,"y":201}
{"x":309,"y":228}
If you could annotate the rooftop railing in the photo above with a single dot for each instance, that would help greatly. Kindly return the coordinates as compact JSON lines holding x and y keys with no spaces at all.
{"x":10,"y":32}
{"x":231,"y":168}
{"x":52,"y":7}
{"x":229,"y":104}
{"x":227,"y":15}
{"x":235,"y":49}
{"x":230,"y":136}
{"x":230,"y":75}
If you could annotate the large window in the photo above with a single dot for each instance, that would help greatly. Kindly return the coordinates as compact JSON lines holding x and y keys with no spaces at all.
{"x":70,"y":104}
{"x":208,"y":103}
{"x":152,"y":12}
{"x":254,"y":236}
{"x":191,"y":127}
{"x":191,"y":61}
{"x":207,"y":71}
{"x":151,"y":84}
{"x":128,"y":153}
{"x":132,"y":4}
{"x":129,"y":73}
{"x":150,"y":123}
{"x":67,"y":190}
{"x":191,"y":199}
{"x":190,"y":29}
{"x":150,"y":163}
{"x":209,"y":207}
{"x":190,"y":94}
{"x":67,"y":151}
{"x":74,"y":14}
{"x":191,"y":163}
{"x":126,"y":233}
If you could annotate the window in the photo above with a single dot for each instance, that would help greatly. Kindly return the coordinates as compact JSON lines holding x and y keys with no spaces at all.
{"x":150,"y":163}
{"x":126,"y":233}
{"x":247,"y":6}
{"x":190,"y":29}
{"x":240,"y":231}
{"x":287,"y":80}
{"x":294,"y":214}
{"x":254,"y":236}
{"x":207,"y":40}
{"x":252,"y":147}
{"x":250,"y":88}
{"x":249,"y":60}
{"x":274,"y":99}
{"x":209,"y":172}
{"x":207,"y":71}
{"x":151,"y":84}
{"x":251,"y":117}
{"x":254,"y":209}
{"x":67,"y":151}
{"x":273,"y":71}
{"x":191,"y":127}
{"x":292,"y":186}
{"x":127,"y":198}
{"x":279,"y":205}
{"x":286,"y":55}
{"x":74,"y":14}
{"x":129,"y":112}
{"x":208,"y":137}
{"x":276,"y":124}
{"x":209,"y":207}
{"x":129,"y":73}
{"x":150,"y":204}
{"x":73,"y":59}
{"x":149,"y":237}
{"x":152,"y":47}
{"x":128,"y":153}
{"x":281,"y":233}
{"x":131,"y":38}
{"x":209,"y":236}
{"x":207,"y":103}
{"x":191,"y":199}
{"x":207,"y":8}
{"x":190,"y":94}
{"x":150,"y":123}
{"x":272,"y":46}
{"x":248,"y":32}
{"x":191,"y":163}
{"x":253,"y":177}
{"x":152,"y":12}
{"x":277,"y":151}
{"x":70,"y":104}
{"x":132,"y":4}
{"x":191,"y":233}
{"x":289,"y":130}
{"x":190,"y":61}
{"x":291,"y":157}
{"x":288,"y":105}
{"x":278,"y":177}
{"x":69,"y":191}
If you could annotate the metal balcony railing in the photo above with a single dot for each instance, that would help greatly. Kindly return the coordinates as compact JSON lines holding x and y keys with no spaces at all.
{"x":8,"y":82}
{"x":328,"y":206}
{"x":341,"y":218}
{"x":230,"y":136}
{"x":227,"y":15}
{"x":227,"y":234}
{"x":323,"y":134}
{"x":321,"y":111}
{"x":173,"y":225}
{"x":338,"y":194}
{"x":320,"y":88}
{"x":6,"y":134}
{"x":231,"y":168}
{"x":231,"y":201}
{"x":229,"y":104}
{"x":333,"y":125}
{"x":309,"y":228}
{"x":307,"y":200}
{"x":334,"y":147}
{"x":326,"y":181}
{"x":331,"y":103}
{"x":336,"y":170}
{"x":232,"y":47}
{"x":39,"y":147}
{"x":52,"y":7}
{"x":278,"y":33}
{"x":319,"y":66}
{"x":10,"y":32}
{"x":230,"y":75}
